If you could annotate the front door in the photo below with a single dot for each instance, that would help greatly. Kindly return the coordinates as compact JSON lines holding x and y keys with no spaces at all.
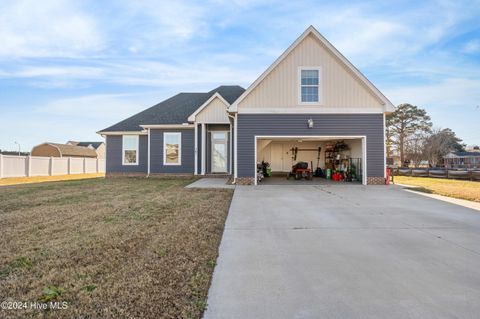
{"x":219,"y":152}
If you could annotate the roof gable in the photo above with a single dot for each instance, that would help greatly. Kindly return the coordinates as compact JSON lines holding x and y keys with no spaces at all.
{"x":213,"y":101}
{"x":312,"y":35}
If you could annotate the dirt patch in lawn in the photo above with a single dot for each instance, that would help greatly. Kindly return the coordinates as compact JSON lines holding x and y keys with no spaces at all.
{"x":468,"y":190}
{"x":110,"y":248}
{"x":43,"y":179}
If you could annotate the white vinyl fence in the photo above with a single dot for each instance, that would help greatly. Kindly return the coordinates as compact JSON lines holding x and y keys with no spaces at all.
{"x":24,"y":166}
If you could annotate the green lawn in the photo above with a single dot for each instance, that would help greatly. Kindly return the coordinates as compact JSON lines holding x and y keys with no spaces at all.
{"x":448,"y":187}
{"x":110,"y":248}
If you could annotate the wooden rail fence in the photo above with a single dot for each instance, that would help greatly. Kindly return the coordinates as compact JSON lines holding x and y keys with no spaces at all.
{"x":473,"y":175}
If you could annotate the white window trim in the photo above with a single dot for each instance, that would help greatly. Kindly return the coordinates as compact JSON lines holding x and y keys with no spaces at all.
{"x":137,"y":150}
{"x":179,"y":149}
{"x":299,"y":84}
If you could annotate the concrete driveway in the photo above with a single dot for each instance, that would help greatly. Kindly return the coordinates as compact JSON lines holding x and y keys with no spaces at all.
{"x":345,"y":251}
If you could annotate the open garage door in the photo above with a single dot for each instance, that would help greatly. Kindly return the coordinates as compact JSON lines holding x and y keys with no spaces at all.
{"x":329,"y":159}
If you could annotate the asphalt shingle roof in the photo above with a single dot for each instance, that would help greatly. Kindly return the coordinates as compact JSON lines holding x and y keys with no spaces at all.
{"x":73,"y":150}
{"x":464,"y":154}
{"x":95,"y":145}
{"x":174,"y":110}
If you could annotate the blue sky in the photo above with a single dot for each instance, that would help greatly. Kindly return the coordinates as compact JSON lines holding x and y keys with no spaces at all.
{"x":71,"y":68}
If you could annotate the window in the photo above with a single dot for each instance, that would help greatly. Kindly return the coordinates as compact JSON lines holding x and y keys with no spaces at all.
{"x":309,"y":85}
{"x":172,"y":148}
{"x":130,"y":149}
{"x":219,"y":135}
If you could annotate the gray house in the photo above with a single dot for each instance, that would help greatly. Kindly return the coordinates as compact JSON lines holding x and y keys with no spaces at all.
{"x":310,"y":98}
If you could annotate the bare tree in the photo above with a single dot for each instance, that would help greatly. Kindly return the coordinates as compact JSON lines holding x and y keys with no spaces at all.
{"x":415,"y":148}
{"x":440,"y":143}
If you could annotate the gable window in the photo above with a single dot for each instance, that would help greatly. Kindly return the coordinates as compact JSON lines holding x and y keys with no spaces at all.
{"x":130,"y":149}
{"x":309,"y":85}
{"x":172,"y":148}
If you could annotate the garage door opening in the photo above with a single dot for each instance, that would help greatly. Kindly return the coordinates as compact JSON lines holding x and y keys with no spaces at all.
{"x":294,"y":159}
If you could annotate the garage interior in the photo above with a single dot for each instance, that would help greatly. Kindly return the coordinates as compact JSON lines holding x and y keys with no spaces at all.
{"x":310,"y":160}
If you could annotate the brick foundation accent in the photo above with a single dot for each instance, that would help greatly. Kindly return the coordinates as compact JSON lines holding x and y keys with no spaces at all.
{"x":375,"y":180}
{"x":245,"y":181}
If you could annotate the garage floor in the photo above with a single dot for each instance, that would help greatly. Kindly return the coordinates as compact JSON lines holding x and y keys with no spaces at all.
{"x":282,"y":180}
{"x":344,"y":251}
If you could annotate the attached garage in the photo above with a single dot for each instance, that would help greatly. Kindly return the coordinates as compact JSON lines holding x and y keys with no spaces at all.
{"x":362,"y":132}
{"x":334,"y":153}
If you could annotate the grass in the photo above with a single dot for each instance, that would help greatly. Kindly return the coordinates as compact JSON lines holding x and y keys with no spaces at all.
{"x":42,"y":179}
{"x":447,"y":187}
{"x":110,"y":248}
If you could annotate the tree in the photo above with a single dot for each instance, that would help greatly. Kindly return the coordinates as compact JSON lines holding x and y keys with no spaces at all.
{"x":403,"y":124}
{"x":440,"y":143}
{"x":415,"y":148}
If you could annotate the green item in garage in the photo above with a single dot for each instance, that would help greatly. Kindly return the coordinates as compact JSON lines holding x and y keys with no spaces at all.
{"x":329,"y":174}
{"x":269,"y":171}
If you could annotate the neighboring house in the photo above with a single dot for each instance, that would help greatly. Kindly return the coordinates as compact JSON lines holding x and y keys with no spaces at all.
{"x":394,"y":161}
{"x":63,"y":150}
{"x":468,"y":160}
{"x":310,"y":97}
{"x":99,"y":147}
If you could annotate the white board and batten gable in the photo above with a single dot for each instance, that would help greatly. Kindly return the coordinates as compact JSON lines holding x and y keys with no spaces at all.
{"x":342,"y":88}
{"x":213,"y":111}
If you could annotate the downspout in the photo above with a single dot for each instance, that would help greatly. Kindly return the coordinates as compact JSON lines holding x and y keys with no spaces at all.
{"x":235,"y":149}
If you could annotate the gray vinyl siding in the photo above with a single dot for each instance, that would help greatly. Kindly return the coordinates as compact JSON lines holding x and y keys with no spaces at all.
{"x":114,"y":155}
{"x":250,"y":125}
{"x":156,"y":152}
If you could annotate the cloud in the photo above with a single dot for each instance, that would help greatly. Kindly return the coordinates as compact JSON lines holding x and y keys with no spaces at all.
{"x":422,"y":52}
{"x":97,"y":106}
{"x":452,"y":102}
{"x":212,"y":70}
{"x":472,"y":47}
{"x":149,"y":27}
{"x":53,"y":28}
{"x":371,"y":34}
{"x":57,"y":71}
{"x":457,"y":93}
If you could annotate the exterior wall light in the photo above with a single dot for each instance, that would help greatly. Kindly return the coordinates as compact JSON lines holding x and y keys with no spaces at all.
{"x":310,"y":123}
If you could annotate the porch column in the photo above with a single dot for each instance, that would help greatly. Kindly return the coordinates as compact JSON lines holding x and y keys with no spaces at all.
{"x":230,"y":140}
{"x":196,"y":150}
{"x":235,"y":159}
{"x":204,"y":133}
{"x":148,"y":153}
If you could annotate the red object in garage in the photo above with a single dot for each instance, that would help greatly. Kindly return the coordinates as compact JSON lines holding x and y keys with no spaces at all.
{"x":337,"y":177}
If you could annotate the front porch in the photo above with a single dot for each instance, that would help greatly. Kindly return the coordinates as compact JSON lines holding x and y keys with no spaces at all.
{"x":213,"y":149}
